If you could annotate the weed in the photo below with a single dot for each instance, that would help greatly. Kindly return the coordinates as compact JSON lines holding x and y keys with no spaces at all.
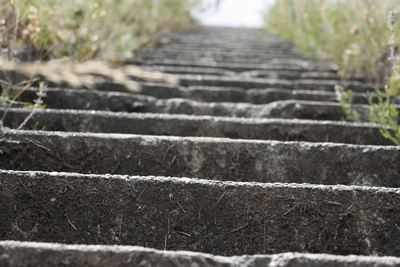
{"x":385,"y":114}
{"x":10,"y":94}
{"x":9,"y":98}
{"x":345,"y":97}
{"x":36,"y":106}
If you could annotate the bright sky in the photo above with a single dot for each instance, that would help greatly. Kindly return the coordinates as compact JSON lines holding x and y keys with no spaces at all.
{"x":237,"y":13}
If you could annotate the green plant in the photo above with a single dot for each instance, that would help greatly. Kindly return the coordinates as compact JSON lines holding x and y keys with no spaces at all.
{"x":9,"y":95}
{"x":345,"y":97}
{"x":385,"y":113}
{"x":37,"y":105}
{"x":9,"y":98}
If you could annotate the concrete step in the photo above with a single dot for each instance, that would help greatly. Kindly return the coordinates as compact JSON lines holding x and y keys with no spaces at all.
{"x":227,"y":52}
{"x":272,"y":74}
{"x":201,"y":157}
{"x":254,"y":83}
{"x":285,"y":109}
{"x":189,"y":125}
{"x":222,"y":218}
{"x":218,"y":50}
{"x":217,"y":47}
{"x":194,"y":70}
{"x":24,"y":254}
{"x":248,"y":57}
{"x":237,"y":67}
{"x":204,"y":93}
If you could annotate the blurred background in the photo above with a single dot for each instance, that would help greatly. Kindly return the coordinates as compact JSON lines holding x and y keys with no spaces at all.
{"x":236,"y":13}
{"x":357,"y":35}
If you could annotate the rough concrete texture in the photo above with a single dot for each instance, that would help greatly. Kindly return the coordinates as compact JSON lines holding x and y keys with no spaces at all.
{"x":291,"y":74}
{"x":250,"y":83}
{"x":199,"y":157}
{"x":254,"y":96}
{"x":115,"y":101}
{"x":119,"y":101}
{"x":24,"y":254}
{"x":196,"y":71}
{"x":215,"y":57}
{"x":185,"y":125}
{"x":222,"y":218}
{"x":235,"y":94}
{"x":214,"y":50}
{"x":197,"y":93}
{"x":237,"y":67}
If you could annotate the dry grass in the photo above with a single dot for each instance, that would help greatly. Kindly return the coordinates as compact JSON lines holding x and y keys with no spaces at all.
{"x":90,"y":29}
{"x":352,"y":33}
{"x":84,"y":74}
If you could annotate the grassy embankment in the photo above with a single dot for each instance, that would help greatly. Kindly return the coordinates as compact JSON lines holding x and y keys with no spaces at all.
{"x":359,"y":36}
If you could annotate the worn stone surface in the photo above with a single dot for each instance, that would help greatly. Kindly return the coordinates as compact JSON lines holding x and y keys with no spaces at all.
{"x":197,"y":93}
{"x":198,"y":157}
{"x":223,"y":218}
{"x":217,"y":57}
{"x":23,"y":254}
{"x":303,"y":84}
{"x":196,"y":71}
{"x":237,"y":67}
{"x":115,"y":101}
{"x":185,"y":125}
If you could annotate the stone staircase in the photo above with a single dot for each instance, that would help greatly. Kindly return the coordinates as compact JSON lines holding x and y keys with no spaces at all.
{"x":245,"y":163}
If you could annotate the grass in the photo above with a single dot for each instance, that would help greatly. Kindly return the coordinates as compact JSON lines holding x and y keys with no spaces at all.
{"x":87,"y":29}
{"x":351,"y":33}
{"x":360,"y":37}
{"x":345,"y":97}
{"x":385,"y":113}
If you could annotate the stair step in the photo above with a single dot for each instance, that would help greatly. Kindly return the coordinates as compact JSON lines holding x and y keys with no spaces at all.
{"x":200,"y":157}
{"x":253,"y":83}
{"x":223,"y":218}
{"x":201,"y":93}
{"x":285,"y":109}
{"x":237,"y":67}
{"x":24,"y":254}
{"x":189,"y":125}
